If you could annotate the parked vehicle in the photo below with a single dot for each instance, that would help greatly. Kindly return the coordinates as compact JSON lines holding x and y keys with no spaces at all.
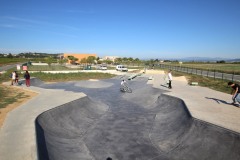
{"x":121,"y":68}
{"x":102,"y":67}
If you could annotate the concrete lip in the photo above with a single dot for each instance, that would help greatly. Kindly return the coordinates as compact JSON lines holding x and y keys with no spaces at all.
{"x":144,"y":125}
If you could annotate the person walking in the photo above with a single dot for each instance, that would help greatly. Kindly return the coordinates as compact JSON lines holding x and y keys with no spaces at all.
{"x":27,"y":78}
{"x":235,"y":92}
{"x":170,"y":79}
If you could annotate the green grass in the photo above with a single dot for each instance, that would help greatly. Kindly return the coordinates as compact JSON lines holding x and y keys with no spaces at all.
{"x":61,"y":77}
{"x":8,"y":96}
{"x":222,"y":67}
{"x":50,"y":68}
{"x":5,"y":76}
{"x":215,"y":84}
{"x":5,"y":61}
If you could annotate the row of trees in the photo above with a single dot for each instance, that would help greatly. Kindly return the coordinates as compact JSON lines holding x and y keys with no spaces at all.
{"x":94,"y":60}
{"x":28,"y":55}
{"x":53,"y":58}
{"x":73,"y":60}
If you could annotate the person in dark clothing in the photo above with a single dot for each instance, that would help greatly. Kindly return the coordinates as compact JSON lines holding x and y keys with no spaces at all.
{"x":27,"y":78}
{"x":235,"y":92}
{"x":16,"y":78}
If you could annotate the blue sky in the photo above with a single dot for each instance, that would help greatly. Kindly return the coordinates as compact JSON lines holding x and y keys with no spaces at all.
{"x":127,"y":28}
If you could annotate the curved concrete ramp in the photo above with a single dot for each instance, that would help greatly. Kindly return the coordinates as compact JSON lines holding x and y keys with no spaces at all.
{"x":179,"y":136}
{"x":60,"y":130}
{"x":86,"y":129}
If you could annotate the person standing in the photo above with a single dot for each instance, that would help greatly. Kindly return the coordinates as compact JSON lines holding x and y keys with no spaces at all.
{"x":13,"y":77}
{"x":16,"y":78}
{"x":170,"y":79}
{"x":235,"y":92}
{"x":27,"y":78}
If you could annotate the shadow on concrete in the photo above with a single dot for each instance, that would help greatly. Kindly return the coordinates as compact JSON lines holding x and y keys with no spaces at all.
{"x":143,"y":125}
{"x":218,"y":100}
{"x":33,"y":82}
{"x":166,"y":86}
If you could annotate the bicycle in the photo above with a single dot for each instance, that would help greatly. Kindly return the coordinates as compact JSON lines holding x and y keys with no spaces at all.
{"x":125,"y":88}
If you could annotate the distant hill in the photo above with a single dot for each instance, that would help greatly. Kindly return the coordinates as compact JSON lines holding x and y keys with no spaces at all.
{"x":207,"y":59}
{"x":233,"y":60}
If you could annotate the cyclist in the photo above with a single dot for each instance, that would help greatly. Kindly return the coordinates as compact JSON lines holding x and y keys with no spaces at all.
{"x":123,"y":83}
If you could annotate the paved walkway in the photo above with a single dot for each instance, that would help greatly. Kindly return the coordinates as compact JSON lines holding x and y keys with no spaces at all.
{"x":203,"y":103}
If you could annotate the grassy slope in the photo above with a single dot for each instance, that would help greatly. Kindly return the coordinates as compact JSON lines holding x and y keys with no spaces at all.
{"x":217,"y":84}
{"x":226,"y":67}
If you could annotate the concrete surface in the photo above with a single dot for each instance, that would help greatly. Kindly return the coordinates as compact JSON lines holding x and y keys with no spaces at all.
{"x":148,"y":124}
{"x":203,"y":103}
{"x":17,"y":135}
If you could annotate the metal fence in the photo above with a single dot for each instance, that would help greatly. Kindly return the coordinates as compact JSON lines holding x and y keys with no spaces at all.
{"x":207,"y":73}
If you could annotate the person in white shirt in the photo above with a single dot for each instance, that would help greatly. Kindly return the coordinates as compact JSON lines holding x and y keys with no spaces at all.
{"x":170,"y":79}
{"x":122,"y":88}
{"x":13,"y":77}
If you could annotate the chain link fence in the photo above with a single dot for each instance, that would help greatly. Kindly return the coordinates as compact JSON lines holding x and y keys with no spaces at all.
{"x":207,"y":73}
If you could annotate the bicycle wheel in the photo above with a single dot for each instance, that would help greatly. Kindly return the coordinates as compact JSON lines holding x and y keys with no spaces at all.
{"x":129,"y":90}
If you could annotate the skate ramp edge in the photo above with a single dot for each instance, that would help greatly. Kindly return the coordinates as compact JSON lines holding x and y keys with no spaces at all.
{"x":60,"y":127}
{"x":33,"y":81}
{"x":174,"y":133}
{"x":181,"y":136}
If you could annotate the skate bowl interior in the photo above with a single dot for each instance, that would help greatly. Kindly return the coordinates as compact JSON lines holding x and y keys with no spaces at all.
{"x":143,"y":125}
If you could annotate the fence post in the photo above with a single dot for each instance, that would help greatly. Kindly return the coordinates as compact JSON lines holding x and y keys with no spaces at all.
{"x":222,"y":76}
{"x":207,"y":72}
{"x":233,"y":76}
{"x":214,"y":74}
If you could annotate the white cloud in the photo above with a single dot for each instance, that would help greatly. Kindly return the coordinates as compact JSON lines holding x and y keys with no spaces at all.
{"x":7,"y":25}
{"x":38,"y":22}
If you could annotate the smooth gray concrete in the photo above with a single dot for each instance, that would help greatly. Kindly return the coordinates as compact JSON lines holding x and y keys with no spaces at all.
{"x":144,"y":125}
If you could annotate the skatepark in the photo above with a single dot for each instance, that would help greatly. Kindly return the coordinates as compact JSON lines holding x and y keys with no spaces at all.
{"x":93,"y":120}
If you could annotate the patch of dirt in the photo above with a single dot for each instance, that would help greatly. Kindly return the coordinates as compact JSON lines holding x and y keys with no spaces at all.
{"x":151,"y":71}
{"x":93,"y":80}
{"x":180,"y":78}
{"x":25,"y":96}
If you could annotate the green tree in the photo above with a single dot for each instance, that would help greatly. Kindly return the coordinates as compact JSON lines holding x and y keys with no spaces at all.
{"x":9,"y":55}
{"x":49,"y":60}
{"x":118,"y":60}
{"x":91,"y":59}
{"x":72,"y":59}
{"x":62,"y":61}
{"x":84,"y":60}
{"x":107,"y":61}
{"x":124,"y":60}
{"x":137,"y":61}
